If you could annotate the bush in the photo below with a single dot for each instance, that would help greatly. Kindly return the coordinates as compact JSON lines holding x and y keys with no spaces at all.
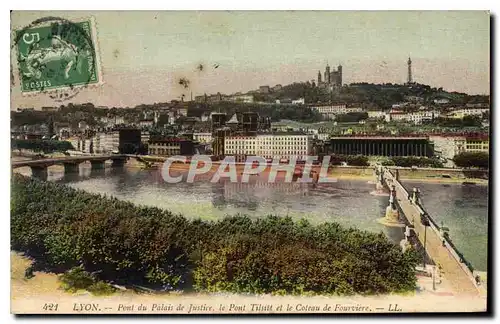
{"x":351,"y":117}
{"x":101,"y":288}
{"x":388,"y":162}
{"x":409,"y":161}
{"x":472,"y":160}
{"x":127,"y":244}
{"x":76,"y":279}
{"x":352,"y":160}
{"x":45,"y":146}
{"x":357,"y":160}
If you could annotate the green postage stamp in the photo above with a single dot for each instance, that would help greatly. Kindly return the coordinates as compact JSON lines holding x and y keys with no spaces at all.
{"x":57,"y":54}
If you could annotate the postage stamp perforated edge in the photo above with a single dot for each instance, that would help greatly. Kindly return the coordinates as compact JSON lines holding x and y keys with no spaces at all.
{"x":97,"y":55}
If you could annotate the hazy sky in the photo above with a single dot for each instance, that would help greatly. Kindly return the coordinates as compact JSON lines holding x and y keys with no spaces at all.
{"x":143,"y":54}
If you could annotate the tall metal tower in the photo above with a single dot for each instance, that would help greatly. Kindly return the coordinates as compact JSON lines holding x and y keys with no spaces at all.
{"x":409,"y":71}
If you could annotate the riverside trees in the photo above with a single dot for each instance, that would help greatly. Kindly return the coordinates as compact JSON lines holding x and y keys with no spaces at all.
{"x":472,"y":160}
{"x":64,"y":228}
{"x":38,"y":145}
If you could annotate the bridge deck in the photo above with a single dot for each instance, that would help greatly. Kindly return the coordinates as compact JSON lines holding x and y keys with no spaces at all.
{"x":455,"y":272}
{"x":68,"y":159}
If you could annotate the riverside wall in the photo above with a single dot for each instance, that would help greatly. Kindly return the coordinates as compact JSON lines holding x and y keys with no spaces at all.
{"x":422,"y":173}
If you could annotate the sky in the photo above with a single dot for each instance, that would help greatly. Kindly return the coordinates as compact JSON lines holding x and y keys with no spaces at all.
{"x":143,"y":54}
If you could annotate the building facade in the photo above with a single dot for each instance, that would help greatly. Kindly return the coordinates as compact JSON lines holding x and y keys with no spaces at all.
{"x":446,"y":146}
{"x":381,"y":146}
{"x":281,"y":146}
{"x":106,"y":142}
{"x":416,"y":118}
{"x":376,"y":114}
{"x":477,"y":144}
{"x":330,"y":111}
{"x":461,"y":113}
{"x":299,"y":101}
{"x":171,"y":147}
{"x":202,"y":137}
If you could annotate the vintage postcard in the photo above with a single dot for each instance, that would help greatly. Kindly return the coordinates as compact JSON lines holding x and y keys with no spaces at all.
{"x":250,"y":162}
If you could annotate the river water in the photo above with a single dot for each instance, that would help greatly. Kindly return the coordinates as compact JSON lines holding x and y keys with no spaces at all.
{"x":463,"y":209}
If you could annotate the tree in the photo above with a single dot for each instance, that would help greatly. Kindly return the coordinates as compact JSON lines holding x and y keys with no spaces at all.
{"x":46,"y":146}
{"x":472,"y":160}
{"x":471,"y":121}
{"x":351,"y":117}
{"x":118,"y":241}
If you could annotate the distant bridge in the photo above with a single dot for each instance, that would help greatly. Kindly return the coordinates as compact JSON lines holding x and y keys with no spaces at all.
{"x":71,"y":163}
{"x":445,"y":254}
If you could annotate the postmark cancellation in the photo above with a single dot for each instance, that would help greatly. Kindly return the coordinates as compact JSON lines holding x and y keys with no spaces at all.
{"x":57,"y":56}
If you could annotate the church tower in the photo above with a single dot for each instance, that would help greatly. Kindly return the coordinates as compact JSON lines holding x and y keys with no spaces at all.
{"x":409,"y":71}
{"x":339,"y":75}
{"x":327,"y":74}
{"x":319,"y":77}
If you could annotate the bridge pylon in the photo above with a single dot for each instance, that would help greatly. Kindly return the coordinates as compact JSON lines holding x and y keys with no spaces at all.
{"x":39,"y":172}
{"x":71,"y":168}
{"x":392,"y":217}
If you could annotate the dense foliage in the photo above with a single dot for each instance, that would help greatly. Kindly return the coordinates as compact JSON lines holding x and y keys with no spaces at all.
{"x":38,"y":145}
{"x":351,"y":117}
{"x":352,"y":160}
{"x":63,"y":228}
{"x":409,"y":161}
{"x":77,"y":278}
{"x":472,"y":160}
{"x":467,"y":121}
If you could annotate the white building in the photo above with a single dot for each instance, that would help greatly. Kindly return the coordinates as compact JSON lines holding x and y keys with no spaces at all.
{"x":106,"y":142}
{"x":242,"y":98}
{"x":145,"y":137}
{"x":401,"y":104}
{"x":146,"y":123}
{"x":299,"y":101}
{"x":416,"y":118}
{"x":441,"y":101}
{"x":461,"y":113}
{"x":82,"y":125}
{"x":119,"y":120}
{"x":203,"y":137}
{"x":281,"y":146}
{"x":450,"y":145}
{"x":330,"y":111}
{"x":334,"y":109}
{"x":376,"y":114}
{"x":323,"y":136}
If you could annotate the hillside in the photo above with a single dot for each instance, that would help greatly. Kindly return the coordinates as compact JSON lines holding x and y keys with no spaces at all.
{"x":379,"y":96}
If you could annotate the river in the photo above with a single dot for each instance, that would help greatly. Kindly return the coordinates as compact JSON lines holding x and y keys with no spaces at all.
{"x":353,"y":202}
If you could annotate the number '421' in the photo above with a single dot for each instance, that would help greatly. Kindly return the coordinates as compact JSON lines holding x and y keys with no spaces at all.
{"x":50,"y":307}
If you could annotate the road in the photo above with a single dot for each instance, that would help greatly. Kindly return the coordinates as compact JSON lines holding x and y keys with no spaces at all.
{"x":455,"y":272}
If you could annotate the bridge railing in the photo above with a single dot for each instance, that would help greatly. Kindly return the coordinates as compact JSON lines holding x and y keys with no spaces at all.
{"x":435,"y":227}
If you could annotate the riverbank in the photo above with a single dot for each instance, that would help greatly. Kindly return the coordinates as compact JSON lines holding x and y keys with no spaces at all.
{"x":346,"y":173}
{"x":30,"y":295}
{"x":432,"y":175}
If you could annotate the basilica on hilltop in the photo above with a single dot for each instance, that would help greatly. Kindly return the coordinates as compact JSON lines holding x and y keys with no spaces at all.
{"x":331,"y":79}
